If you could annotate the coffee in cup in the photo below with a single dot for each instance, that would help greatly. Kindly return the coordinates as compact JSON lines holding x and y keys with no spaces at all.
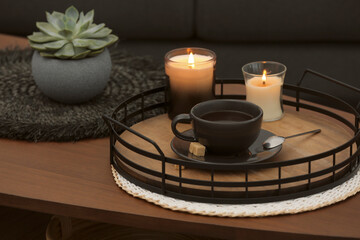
{"x":224,"y":126}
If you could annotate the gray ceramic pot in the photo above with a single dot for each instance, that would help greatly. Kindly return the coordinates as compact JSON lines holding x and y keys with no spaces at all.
{"x":71,"y":81}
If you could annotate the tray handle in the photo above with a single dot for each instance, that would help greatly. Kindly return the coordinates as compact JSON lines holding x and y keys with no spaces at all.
{"x":110,"y":121}
{"x":326,"y":78}
{"x":330,"y":79}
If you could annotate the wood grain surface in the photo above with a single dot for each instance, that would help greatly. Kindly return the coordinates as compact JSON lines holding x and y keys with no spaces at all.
{"x":10,"y":42}
{"x":74,"y":179}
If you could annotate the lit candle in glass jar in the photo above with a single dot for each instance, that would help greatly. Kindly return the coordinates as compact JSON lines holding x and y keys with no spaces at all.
{"x":191,"y":78}
{"x":264,"y":81}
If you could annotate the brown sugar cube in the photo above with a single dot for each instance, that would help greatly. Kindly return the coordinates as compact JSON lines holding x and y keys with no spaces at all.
{"x":197,"y":149}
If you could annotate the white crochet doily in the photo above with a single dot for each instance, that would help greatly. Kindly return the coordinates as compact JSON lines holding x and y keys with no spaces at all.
{"x":312,"y":202}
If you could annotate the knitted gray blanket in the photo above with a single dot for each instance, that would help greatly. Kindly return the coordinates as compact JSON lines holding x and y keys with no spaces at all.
{"x":27,"y":114}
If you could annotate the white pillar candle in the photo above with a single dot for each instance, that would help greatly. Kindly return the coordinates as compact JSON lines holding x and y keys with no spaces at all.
{"x":266,"y":94}
{"x":191,"y":78}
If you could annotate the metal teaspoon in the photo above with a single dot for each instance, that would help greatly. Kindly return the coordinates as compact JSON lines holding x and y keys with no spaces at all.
{"x":275,"y":141}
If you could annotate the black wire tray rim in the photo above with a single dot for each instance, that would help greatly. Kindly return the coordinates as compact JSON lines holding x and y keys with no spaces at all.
{"x":308,"y":183}
{"x":286,"y":86}
{"x":141,"y":95}
{"x":242,"y":166}
{"x":238,"y":184}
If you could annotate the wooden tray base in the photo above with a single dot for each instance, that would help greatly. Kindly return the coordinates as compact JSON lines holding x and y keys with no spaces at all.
{"x":333,"y":134}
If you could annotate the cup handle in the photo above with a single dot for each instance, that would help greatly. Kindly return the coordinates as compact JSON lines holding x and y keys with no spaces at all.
{"x":182,"y":118}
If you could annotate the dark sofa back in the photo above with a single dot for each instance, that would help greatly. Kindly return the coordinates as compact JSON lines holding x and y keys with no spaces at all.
{"x":278,"y":20}
{"x":216,"y":20}
{"x":275,"y":23}
{"x":131,"y":19}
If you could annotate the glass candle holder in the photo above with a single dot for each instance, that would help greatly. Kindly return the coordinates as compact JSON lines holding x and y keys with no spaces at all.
{"x":264,"y":81}
{"x":191,"y":78}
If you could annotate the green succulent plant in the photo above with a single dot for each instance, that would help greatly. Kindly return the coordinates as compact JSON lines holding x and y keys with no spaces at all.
{"x":71,"y":35}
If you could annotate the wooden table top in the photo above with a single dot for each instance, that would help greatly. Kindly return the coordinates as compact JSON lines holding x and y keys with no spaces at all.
{"x":74,"y":179}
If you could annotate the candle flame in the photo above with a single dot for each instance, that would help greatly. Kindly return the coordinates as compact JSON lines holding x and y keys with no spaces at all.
{"x":191,"y":61}
{"x":264,"y":77}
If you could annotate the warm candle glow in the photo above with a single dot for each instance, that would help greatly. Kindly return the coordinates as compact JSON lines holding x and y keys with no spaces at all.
{"x":189,"y":84}
{"x":264,"y":77}
{"x":264,"y":87}
{"x":191,"y":61}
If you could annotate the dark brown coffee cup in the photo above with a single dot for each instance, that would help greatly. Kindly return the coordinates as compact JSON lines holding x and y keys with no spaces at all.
{"x":224,"y":126}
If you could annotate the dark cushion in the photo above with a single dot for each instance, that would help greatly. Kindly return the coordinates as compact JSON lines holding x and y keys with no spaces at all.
{"x":340,"y":61}
{"x":131,"y":19}
{"x":278,"y":20}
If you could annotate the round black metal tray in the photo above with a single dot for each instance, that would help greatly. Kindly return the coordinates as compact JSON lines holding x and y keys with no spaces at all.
{"x":154,"y":102}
